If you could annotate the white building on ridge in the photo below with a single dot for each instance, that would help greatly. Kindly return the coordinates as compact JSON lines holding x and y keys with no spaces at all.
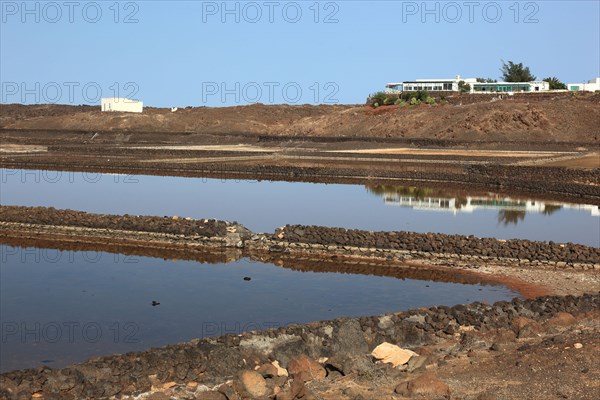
{"x":121,"y":104}
{"x":431,"y":85}
{"x":591,"y":86}
{"x":451,"y":85}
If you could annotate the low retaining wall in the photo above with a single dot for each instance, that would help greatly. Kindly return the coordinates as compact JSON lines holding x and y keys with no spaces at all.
{"x":79,"y":219}
{"x":184,"y":233}
{"x":433,"y":244}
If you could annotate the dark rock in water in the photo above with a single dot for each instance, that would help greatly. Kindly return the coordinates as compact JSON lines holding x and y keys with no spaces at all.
{"x":247,"y":278}
{"x":155,"y":303}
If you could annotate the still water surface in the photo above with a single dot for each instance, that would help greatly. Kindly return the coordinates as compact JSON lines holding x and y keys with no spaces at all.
{"x":264,"y":206}
{"x":59,"y":307}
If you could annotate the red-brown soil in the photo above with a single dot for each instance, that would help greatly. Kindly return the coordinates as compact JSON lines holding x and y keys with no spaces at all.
{"x":560,"y":118}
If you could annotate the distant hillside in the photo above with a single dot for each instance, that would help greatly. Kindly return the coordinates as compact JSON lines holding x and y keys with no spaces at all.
{"x":530,"y":119}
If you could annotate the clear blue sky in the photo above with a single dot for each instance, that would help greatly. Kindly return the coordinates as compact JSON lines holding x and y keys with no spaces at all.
{"x":182,"y":53}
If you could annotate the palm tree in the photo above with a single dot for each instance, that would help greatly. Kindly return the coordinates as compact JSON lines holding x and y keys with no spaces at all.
{"x":513,"y":72}
{"x":510,"y":217}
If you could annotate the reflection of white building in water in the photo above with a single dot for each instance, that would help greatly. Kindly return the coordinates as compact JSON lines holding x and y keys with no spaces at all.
{"x":470,"y":204}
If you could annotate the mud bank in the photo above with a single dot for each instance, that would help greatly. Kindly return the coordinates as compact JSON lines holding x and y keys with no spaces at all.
{"x":343,"y":345}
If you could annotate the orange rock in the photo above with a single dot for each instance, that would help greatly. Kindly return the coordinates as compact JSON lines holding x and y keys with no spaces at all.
{"x":561,"y":319}
{"x":254,"y":383}
{"x":267,"y":370}
{"x":427,"y":386}
{"x":192,"y":385}
{"x":308,"y":366}
{"x":169,"y":385}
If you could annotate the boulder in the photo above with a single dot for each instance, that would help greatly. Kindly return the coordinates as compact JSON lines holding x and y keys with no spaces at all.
{"x":427,"y":386}
{"x":268,"y":370}
{"x":210,"y":395}
{"x":296,"y":389}
{"x":392,"y":354}
{"x":349,"y":338}
{"x":561,"y":319}
{"x":306,"y":367}
{"x":252,"y":383}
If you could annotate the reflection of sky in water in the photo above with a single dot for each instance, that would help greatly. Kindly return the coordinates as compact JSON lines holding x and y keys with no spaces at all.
{"x":264,"y":206}
{"x":112,"y":290}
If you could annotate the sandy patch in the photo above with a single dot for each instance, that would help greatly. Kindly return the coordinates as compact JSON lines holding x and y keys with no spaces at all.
{"x":445,"y":152}
{"x":22,"y":148}
{"x":212,"y":148}
{"x":588,"y":161}
{"x":204,"y":159}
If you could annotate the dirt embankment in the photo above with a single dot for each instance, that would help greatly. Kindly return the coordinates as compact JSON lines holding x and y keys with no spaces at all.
{"x":558,"y":118}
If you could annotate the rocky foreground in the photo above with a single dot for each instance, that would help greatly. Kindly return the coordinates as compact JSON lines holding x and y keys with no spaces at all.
{"x":543,"y":348}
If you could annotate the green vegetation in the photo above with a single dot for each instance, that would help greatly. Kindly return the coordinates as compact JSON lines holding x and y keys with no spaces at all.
{"x":378,"y":99}
{"x":389,"y":101}
{"x":464,"y":87}
{"x":555,"y":83}
{"x":486,"y":80}
{"x":512,"y":72}
{"x":403,"y":99}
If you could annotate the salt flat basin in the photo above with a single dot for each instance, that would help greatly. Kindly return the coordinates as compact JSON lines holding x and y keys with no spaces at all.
{"x":59,"y":307}
{"x":264,"y":206}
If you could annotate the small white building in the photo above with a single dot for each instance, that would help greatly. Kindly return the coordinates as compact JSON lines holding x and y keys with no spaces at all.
{"x":121,"y":104}
{"x":591,"y":86}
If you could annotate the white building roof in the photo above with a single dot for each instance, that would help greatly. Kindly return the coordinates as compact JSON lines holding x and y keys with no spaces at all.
{"x":436,"y":80}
